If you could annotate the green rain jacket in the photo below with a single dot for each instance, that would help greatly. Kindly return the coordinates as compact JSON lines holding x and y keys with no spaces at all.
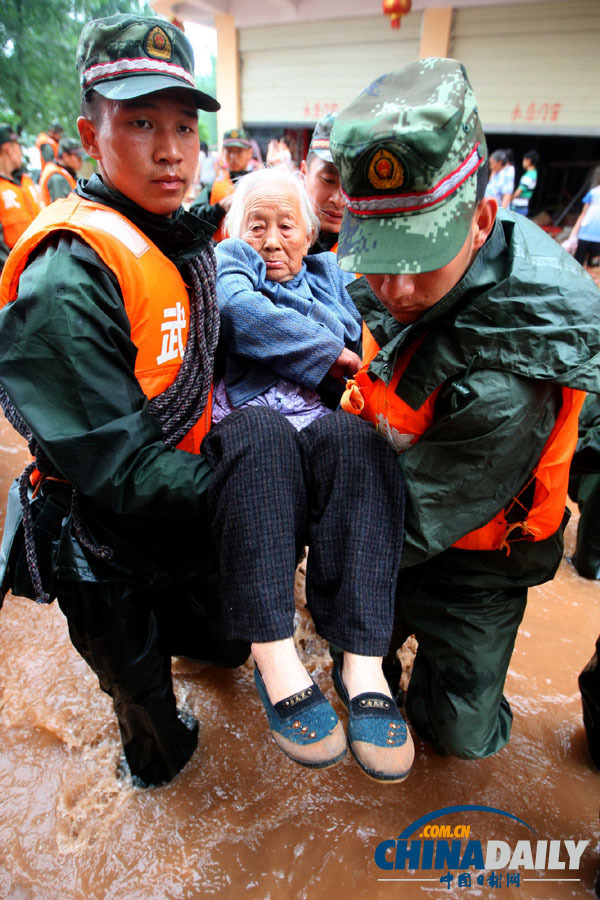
{"x":523,"y":321}
{"x":67,"y":363}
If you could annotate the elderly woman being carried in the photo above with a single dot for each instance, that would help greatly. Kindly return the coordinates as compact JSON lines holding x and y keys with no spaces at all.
{"x":290,"y":329}
{"x":291,"y":332}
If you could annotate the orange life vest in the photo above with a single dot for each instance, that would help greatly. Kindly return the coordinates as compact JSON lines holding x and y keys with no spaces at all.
{"x":403,"y":426}
{"x":221,"y":188}
{"x":155,"y":296}
{"x":50,"y":170}
{"x":44,"y":138}
{"x":19,"y":205}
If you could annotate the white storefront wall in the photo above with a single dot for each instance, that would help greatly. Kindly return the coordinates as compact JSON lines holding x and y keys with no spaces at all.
{"x":294,"y":74}
{"x":534,"y":66}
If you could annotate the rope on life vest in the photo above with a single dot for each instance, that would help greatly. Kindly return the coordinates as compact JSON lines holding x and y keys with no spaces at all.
{"x":527,"y":532}
{"x":352,"y":400}
{"x":177,"y":408}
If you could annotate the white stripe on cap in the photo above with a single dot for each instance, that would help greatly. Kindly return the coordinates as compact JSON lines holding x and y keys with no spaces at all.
{"x":137,"y":66}
{"x":401,"y":203}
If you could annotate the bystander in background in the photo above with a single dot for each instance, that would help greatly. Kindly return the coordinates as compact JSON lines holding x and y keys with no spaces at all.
{"x":586,"y":230}
{"x":500,"y":185}
{"x":19,"y":201}
{"x":59,"y":178}
{"x":527,"y":183}
{"x":47,"y":144}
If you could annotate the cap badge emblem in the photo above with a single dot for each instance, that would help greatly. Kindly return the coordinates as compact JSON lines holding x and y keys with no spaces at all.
{"x":158,"y":44}
{"x":385,"y":171}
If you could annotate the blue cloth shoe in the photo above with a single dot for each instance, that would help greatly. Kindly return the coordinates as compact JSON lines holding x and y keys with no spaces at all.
{"x":305,"y":726}
{"x":378,"y":737}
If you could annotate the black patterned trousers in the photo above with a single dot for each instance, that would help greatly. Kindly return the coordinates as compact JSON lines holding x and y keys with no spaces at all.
{"x":337,"y":487}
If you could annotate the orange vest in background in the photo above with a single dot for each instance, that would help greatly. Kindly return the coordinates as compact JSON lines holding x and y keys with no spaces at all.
{"x":221,"y":188}
{"x":44,"y":138}
{"x":50,"y":170}
{"x":19,"y":205}
{"x":403,"y":426}
{"x":155,"y":296}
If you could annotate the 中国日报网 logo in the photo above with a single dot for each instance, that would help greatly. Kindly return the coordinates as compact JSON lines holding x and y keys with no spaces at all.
{"x":425,"y":846}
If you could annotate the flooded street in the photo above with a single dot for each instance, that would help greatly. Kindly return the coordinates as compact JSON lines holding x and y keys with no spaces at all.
{"x":242,"y":821}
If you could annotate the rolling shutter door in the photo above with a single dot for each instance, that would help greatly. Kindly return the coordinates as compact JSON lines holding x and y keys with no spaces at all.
{"x":533,"y":66}
{"x":297,"y":73}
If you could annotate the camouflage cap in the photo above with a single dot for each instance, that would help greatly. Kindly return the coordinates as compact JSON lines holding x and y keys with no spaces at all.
{"x":408,"y":149}
{"x":70,"y":145}
{"x":127,"y":56}
{"x":237,"y":137}
{"x":319,"y":143}
{"x":8,"y":135}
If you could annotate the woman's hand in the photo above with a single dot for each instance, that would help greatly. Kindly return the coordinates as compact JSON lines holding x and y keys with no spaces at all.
{"x":345,"y":365}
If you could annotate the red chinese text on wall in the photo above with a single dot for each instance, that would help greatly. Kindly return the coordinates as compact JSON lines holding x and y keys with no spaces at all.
{"x":536,"y":112}
{"x":316,"y":109}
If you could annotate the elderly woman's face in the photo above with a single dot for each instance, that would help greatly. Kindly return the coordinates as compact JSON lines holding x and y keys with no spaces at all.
{"x":273,"y":225}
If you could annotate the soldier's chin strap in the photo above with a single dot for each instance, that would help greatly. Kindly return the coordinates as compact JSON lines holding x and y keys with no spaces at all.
{"x":177,"y":408}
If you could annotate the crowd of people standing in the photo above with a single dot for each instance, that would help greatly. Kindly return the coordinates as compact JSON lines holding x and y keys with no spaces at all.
{"x":22,"y":197}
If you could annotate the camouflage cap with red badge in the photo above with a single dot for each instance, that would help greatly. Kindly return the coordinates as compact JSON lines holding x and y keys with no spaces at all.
{"x":408,"y":150}
{"x":237,"y":137}
{"x":127,"y":56}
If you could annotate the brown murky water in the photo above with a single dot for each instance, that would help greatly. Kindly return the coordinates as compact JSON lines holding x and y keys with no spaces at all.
{"x":241,"y":821}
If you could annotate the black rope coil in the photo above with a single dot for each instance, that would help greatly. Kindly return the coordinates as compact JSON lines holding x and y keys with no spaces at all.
{"x":177,"y":408}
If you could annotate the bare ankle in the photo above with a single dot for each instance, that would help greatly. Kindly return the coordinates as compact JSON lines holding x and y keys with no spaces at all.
{"x":364,"y":674}
{"x":280,"y":667}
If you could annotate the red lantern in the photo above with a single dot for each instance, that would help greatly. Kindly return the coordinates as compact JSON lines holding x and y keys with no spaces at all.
{"x":395,"y":9}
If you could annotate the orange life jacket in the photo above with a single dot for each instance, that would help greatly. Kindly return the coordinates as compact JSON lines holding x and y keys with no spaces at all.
{"x":44,"y":138}
{"x":155,"y":296}
{"x":532,"y":520}
{"x":19,"y":205}
{"x":221,"y":188}
{"x":50,"y":170}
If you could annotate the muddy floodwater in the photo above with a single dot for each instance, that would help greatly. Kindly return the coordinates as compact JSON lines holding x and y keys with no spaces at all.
{"x":241,"y":821}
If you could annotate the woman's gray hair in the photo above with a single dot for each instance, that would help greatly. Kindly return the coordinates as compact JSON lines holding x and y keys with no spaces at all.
{"x":499,"y":156}
{"x":253,"y":182}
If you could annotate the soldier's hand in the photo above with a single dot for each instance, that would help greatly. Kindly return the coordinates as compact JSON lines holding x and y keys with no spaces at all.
{"x":345,"y":365}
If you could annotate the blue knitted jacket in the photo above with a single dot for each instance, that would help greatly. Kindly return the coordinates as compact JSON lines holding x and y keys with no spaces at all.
{"x":270,"y":331}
